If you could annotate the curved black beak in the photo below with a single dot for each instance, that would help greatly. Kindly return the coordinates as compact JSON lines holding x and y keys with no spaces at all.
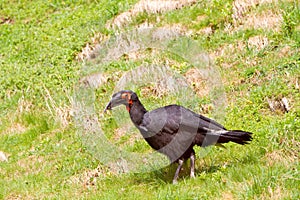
{"x":107,"y":107}
{"x":116,"y":100}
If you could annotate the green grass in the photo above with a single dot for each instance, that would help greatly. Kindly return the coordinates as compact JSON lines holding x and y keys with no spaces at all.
{"x":48,"y":155}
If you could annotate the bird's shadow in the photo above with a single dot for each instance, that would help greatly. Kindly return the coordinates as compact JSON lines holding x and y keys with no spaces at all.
{"x":165,"y":175}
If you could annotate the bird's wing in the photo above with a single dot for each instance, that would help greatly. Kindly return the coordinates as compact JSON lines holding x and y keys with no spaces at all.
{"x":209,"y":123}
{"x":192,"y":120}
{"x":171,"y":119}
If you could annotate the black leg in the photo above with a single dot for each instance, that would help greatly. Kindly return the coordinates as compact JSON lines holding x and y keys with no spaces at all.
{"x":192,"y":159}
{"x":180,"y":162}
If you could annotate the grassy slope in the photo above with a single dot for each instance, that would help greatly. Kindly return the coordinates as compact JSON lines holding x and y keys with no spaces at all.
{"x":37,"y":56}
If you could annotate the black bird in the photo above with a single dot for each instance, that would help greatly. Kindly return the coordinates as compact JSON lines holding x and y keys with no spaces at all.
{"x":173,"y":130}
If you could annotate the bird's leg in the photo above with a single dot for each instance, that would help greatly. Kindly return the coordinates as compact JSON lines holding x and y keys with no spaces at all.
{"x":192,"y":159}
{"x":180,"y":161}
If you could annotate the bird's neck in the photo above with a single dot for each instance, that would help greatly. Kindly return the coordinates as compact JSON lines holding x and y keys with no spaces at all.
{"x":136,"y":111}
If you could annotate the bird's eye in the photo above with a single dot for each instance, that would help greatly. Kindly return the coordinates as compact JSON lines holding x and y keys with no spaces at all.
{"x":124,"y":96}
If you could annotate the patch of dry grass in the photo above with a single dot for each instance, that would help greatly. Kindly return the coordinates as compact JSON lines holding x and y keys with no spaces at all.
{"x":227,"y":196}
{"x":267,"y":20}
{"x":148,"y":6}
{"x":123,"y":131}
{"x":258,"y":42}
{"x":15,"y":128}
{"x":31,"y":164}
{"x":60,"y":113}
{"x":274,"y":193}
{"x":94,"y":80}
{"x":88,"y":177}
{"x":87,"y":51}
{"x":197,"y":80}
{"x":281,"y":157}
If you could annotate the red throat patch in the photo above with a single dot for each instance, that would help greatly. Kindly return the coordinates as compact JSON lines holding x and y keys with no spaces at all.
{"x":129,"y":105}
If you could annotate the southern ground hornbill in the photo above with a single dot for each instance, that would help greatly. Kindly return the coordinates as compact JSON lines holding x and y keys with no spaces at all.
{"x":173,"y":130}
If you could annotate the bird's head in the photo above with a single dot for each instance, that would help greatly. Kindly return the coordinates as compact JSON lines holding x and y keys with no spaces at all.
{"x":123,"y":97}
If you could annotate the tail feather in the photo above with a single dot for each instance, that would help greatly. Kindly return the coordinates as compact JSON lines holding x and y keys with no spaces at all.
{"x":237,"y":136}
{"x":225,"y":136}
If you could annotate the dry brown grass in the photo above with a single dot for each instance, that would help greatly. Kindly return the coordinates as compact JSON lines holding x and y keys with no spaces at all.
{"x":124,"y":130}
{"x":279,"y":105}
{"x":267,"y":20}
{"x":157,"y":89}
{"x":148,"y":6}
{"x":274,"y":193}
{"x":94,"y":80}
{"x":88,"y":177}
{"x":281,"y":157}
{"x":227,"y":196}
{"x":242,"y":7}
{"x":228,"y":50}
{"x":245,"y":17}
{"x":87,"y":51}
{"x":31,"y":164}
{"x":60,"y":113}
{"x":15,"y":127}
{"x":258,"y":42}
{"x":197,"y":80}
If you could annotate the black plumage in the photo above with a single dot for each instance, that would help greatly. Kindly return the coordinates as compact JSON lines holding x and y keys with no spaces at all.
{"x":173,"y":130}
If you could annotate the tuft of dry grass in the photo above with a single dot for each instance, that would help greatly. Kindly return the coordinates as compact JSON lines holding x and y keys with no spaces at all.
{"x":60,"y":113}
{"x":23,"y":106}
{"x":87,"y":51}
{"x":274,"y":193}
{"x":258,"y":42}
{"x":279,"y":105}
{"x":88,"y":178}
{"x":197,"y":80}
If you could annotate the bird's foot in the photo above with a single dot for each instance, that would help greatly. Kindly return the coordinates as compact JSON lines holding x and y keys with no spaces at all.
{"x":192,"y":175}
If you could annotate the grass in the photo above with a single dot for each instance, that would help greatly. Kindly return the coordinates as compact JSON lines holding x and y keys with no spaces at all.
{"x":49,"y":156}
